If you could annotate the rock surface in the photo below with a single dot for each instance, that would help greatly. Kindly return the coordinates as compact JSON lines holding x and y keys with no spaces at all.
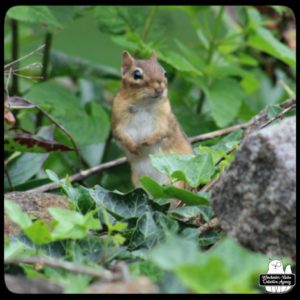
{"x":35,"y":204}
{"x":255,"y":198}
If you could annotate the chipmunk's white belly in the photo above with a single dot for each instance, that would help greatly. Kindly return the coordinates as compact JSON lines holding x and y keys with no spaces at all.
{"x":141,"y":126}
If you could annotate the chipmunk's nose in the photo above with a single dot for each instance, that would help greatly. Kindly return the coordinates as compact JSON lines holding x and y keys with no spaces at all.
{"x":159,"y":87}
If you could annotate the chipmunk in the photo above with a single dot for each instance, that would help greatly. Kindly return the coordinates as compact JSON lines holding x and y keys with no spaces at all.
{"x":142,"y":120}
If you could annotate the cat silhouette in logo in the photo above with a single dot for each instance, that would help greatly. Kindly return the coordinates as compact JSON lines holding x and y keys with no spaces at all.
{"x":276,"y":267}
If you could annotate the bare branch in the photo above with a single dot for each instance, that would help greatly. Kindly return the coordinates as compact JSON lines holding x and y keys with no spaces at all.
{"x":217,"y":133}
{"x":65,"y":265}
{"x":81,"y":175}
{"x":23,"y":57}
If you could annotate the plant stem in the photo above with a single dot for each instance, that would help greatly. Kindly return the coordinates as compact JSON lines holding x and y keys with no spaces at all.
{"x":46,"y":56}
{"x":45,"y":63}
{"x":15,"y":54}
{"x":200,"y":103}
{"x":215,"y":35}
{"x":149,"y":22}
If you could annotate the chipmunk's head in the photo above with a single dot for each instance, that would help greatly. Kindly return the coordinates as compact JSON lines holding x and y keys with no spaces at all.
{"x":145,"y":79}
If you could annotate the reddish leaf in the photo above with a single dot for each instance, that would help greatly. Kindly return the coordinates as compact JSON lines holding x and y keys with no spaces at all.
{"x":16,"y":102}
{"x":26,"y":142}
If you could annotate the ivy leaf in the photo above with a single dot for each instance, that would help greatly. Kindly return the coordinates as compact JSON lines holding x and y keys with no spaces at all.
{"x":152,"y":228}
{"x":17,"y":249}
{"x":39,"y":233}
{"x":194,"y":170}
{"x":174,"y":251}
{"x":147,"y":232}
{"x":16,"y":214}
{"x":187,"y":212}
{"x":121,"y":206}
{"x":71,"y":224}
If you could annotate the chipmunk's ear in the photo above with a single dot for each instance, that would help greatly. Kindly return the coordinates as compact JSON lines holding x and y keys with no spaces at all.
{"x":153,"y":56}
{"x":127,"y":62}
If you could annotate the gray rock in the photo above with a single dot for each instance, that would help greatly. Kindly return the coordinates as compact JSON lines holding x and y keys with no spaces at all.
{"x":255,"y":198}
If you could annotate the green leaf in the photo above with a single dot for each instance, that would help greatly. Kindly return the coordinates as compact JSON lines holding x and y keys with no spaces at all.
{"x":71,"y":224}
{"x":168,"y":191}
{"x":246,"y":59}
{"x":263,"y":40}
{"x":25,"y":167}
{"x":229,"y":141}
{"x":122,"y":206}
{"x":86,"y":127}
{"x":16,"y":214}
{"x":178,"y":62}
{"x":194,"y":170}
{"x":111,"y":19}
{"x":187,"y":212}
{"x":17,"y":249}
{"x":35,"y":14}
{"x":52,"y":175}
{"x":39,"y":233}
{"x":225,"y":98}
{"x":185,"y":196}
{"x":207,"y":278}
{"x":174,"y":251}
{"x":154,"y":188}
{"x":147,"y":232}
{"x":254,"y":18}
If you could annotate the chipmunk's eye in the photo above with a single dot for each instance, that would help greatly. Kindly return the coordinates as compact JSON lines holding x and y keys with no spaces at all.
{"x":137,"y":74}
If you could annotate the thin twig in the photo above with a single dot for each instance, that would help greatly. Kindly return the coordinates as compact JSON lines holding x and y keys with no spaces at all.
{"x":280,"y":115}
{"x":81,"y":175}
{"x":64,"y":265}
{"x":46,"y":58}
{"x":15,"y":53}
{"x":65,"y":131}
{"x":217,"y":133}
{"x":23,"y":57}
